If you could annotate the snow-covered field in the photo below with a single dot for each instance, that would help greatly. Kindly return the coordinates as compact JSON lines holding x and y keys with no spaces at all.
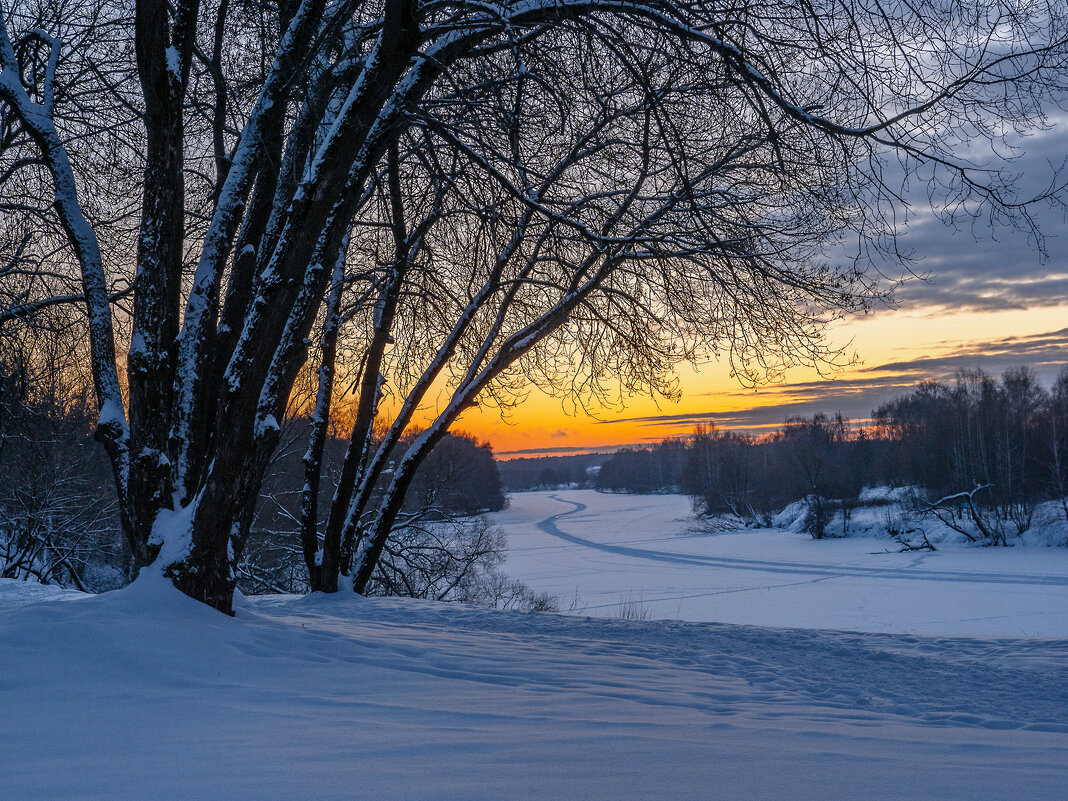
{"x":641,"y":554}
{"x":144,"y":694}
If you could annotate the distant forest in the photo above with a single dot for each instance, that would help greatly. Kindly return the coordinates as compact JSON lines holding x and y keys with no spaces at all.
{"x":547,"y":472}
{"x":988,"y":449}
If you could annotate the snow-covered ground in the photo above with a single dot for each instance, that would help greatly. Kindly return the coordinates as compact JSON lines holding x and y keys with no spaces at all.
{"x":143,"y":694}
{"x":642,"y":554}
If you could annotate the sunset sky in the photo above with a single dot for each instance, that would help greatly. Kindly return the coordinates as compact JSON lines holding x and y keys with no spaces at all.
{"x":990,"y":301}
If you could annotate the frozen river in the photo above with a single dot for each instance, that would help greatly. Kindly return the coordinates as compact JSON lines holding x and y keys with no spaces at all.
{"x":643,"y":555}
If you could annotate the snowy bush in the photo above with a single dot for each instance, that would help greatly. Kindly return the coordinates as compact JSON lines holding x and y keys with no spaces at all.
{"x":58,"y":513}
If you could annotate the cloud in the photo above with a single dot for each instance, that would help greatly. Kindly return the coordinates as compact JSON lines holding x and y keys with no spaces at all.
{"x":1046,"y":352}
{"x":754,"y":419}
{"x":978,"y":266}
{"x":857,"y":395}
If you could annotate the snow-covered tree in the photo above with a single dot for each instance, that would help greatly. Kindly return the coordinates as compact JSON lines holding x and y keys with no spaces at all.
{"x":474,"y":194}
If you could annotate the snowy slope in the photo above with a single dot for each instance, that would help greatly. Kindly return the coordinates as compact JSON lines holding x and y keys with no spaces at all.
{"x":643,"y":552}
{"x":142,"y":694}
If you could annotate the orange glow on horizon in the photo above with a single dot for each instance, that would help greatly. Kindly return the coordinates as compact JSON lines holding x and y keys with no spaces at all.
{"x":541,"y":425}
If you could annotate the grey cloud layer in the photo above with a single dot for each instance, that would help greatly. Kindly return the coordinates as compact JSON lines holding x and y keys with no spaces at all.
{"x":976,"y":267}
{"x":857,"y":396}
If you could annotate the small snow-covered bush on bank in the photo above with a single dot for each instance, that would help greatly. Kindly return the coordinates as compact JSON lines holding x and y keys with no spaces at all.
{"x":442,"y":558}
{"x":442,"y":546}
{"x":58,"y":515}
{"x":819,"y":517}
{"x":904,"y":515}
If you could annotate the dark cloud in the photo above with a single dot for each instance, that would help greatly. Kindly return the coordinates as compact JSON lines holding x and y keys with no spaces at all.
{"x":977,"y":266}
{"x":1047,"y":353}
{"x":856,"y":396}
{"x":755,"y":419}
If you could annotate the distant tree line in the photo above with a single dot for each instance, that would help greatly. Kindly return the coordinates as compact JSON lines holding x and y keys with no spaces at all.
{"x":981,"y":452}
{"x":645,"y":470}
{"x":549,"y":472}
{"x":986,"y":451}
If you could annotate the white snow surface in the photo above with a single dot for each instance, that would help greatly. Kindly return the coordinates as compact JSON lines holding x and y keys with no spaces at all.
{"x":144,"y":694}
{"x":608,"y":554}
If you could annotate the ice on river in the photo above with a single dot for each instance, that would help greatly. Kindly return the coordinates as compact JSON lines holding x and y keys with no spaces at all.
{"x":646,"y":554}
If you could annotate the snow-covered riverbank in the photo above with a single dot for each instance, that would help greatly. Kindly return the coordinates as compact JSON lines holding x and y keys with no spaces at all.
{"x":642,"y":554}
